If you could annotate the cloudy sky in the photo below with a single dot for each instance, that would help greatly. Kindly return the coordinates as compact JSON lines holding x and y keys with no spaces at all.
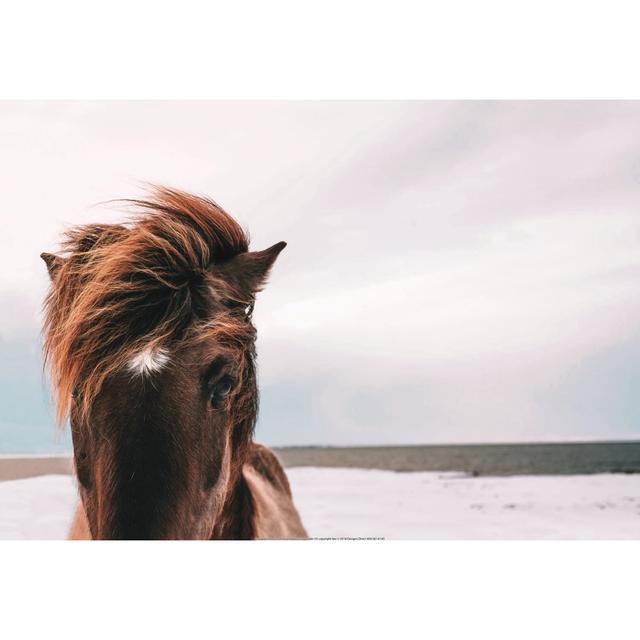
{"x":456,"y":272}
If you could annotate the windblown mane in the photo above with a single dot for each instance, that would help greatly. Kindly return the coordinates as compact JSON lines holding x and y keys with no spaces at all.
{"x":125,"y":288}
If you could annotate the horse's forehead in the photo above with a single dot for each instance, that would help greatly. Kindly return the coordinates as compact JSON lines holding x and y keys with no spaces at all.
{"x":150,"y":359}
{"x":153,"y":358}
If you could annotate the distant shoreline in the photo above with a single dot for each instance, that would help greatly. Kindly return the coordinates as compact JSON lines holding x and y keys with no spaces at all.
{"x":561,"y":458}
{"x":453,"y":444}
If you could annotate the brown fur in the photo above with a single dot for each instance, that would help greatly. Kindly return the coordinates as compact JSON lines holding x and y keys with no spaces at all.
{"x":261,"y":507}
{"x":115,"y":277}
{"x":162,"y":455}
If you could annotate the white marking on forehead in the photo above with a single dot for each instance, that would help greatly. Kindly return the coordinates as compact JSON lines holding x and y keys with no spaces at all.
{"x":148,"y":361}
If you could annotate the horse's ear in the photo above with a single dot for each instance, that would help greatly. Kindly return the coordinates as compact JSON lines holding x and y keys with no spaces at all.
{"x":247,"y":272}
{"x":53,"y":263}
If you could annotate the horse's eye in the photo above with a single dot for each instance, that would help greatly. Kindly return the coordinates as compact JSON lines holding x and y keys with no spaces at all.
{"x":221,"y":390}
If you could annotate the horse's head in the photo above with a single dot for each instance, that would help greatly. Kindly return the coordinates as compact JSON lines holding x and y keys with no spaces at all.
{"x":149,"y":339}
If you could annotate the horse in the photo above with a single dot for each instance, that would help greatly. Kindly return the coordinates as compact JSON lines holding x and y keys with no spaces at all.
{"x":149,"y":340}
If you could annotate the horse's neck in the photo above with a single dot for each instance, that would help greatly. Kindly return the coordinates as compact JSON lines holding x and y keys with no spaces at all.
{"x":236,"y":522}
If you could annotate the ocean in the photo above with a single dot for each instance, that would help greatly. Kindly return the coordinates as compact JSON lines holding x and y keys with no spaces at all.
{"x":472,"y":459}
{"x":477,"y":459}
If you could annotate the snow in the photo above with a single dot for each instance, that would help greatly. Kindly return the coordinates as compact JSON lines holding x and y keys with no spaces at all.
{"x":37,"y":508}
{"x":365,"y":503}
{"x":370,"y":503}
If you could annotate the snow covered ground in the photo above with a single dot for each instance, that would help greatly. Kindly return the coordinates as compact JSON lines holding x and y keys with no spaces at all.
{"x":370,"y":503}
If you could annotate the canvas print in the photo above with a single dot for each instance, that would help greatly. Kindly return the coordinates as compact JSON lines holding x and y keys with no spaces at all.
{"x":320,"y":320}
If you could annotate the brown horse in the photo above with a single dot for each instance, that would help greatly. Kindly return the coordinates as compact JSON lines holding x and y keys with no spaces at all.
{"x":151,"y":347}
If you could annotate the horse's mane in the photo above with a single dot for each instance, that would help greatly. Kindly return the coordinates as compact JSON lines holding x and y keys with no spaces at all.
{"x":122,"y":288}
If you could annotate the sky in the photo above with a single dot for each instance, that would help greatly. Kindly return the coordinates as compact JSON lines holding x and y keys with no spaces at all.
{"x":455,"y":271}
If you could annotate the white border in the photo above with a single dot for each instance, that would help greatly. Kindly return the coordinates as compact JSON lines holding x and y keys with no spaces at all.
{"x":320,"y":590}
{"x":334,"y":49}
